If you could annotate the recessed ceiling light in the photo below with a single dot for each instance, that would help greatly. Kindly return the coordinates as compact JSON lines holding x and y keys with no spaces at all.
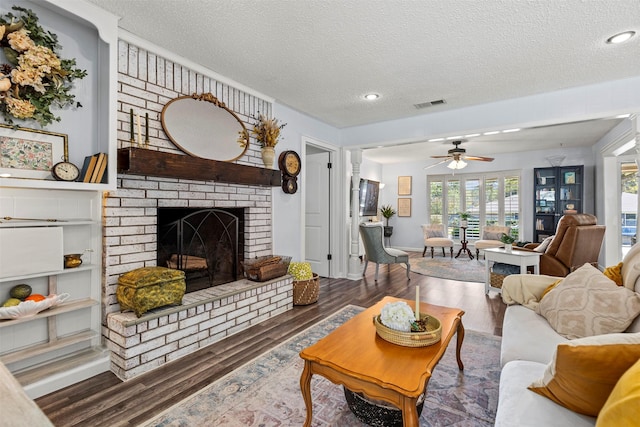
{"x":621,"y":38}
{"x":371,"y":96}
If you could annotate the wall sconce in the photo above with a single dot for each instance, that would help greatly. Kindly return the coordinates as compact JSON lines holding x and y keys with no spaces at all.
{"x":457,"y":164}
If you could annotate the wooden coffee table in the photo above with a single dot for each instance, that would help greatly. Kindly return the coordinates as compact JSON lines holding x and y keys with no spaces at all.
{"x":356,"y":357}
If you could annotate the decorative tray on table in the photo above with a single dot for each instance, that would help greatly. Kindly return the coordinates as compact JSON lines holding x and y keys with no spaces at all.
{"x":430,"y":335}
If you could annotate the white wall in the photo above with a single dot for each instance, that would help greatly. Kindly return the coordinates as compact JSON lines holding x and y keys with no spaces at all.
{"x":288,"y":231}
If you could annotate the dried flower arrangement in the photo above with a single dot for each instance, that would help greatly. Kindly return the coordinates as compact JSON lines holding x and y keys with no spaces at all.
{"x":267,"y":130}
{"x":35,"y":77}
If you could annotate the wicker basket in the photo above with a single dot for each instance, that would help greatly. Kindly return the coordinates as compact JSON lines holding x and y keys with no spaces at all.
{"x":266,"y":267}
{"x":496,"y":279}
{"x":411,"y":339}
{"x":306,"y":292}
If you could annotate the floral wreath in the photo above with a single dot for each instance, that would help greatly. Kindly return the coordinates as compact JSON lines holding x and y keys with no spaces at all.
{"x":35,"y":77}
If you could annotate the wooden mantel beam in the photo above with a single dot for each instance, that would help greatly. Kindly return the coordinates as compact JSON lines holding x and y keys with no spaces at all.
{"x":140,"y":161}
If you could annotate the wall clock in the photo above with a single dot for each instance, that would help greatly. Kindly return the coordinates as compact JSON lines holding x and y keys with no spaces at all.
{"x":289,"y":163}
{"x":290,"y":184}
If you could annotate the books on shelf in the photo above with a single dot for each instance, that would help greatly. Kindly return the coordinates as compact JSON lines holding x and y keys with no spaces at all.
{"x":94,"y":168}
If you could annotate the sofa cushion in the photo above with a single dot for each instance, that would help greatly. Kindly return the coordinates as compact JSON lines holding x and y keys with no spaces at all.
{"x":520,"y":407}
{"x":583,"y":372}
{"x":527,"y":336}
{"x":587,"y":303}
{"x":622,"y":407}
{"x":631,"y":269}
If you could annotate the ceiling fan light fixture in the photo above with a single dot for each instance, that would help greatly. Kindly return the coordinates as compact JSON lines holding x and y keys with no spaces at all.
{"x":621,"y":37}
{"x":457,"y":164}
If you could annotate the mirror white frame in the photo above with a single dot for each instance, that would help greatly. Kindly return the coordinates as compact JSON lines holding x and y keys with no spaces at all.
{"x":202,"y":126}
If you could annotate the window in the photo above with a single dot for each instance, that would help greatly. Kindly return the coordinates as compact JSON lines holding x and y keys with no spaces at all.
{"x":490,"y":199}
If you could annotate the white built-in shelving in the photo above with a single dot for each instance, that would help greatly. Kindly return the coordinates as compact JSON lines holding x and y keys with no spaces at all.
{"x":63,"y":344}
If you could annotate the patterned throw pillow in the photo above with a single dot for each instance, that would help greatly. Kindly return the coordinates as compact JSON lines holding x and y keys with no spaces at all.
{"x":492,"y":235}
{"x":583,"y":372}
{"x":300,"y":270}
{"x":587,"y":303}
{"x":432,"y":232}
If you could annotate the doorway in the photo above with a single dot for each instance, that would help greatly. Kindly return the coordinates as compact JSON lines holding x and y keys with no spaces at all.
{"x":320,"y":242}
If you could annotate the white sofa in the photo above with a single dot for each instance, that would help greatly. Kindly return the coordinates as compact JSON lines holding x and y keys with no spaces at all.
{"x":528,"y":345}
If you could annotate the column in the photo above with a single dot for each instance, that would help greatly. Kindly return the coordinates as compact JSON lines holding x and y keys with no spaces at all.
{"x":355,"y":267}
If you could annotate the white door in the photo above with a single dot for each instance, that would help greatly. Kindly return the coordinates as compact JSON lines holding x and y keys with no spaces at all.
{"x":317,"y":211}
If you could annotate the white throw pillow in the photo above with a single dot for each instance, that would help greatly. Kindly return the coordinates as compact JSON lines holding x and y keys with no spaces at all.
{"x":587,"y":303}
{"x":433,"y":232}
{"x":544,"y":245}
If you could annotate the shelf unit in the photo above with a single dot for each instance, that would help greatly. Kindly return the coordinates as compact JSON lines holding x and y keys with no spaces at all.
{"x":557,"y":191}
{"x":32,"y":347}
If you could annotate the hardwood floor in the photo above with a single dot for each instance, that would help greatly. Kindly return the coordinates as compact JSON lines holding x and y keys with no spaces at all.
{"x":104,"y":400}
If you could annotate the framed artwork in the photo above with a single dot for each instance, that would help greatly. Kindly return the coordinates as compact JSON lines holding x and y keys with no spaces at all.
{"x":30,"y":153}
{"x":404,"y":186}
{"x":569,"y":177}
{"x":404,"y":206}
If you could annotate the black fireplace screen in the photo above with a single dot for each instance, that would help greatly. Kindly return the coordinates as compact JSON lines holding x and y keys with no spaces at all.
{"x":203,"y":243}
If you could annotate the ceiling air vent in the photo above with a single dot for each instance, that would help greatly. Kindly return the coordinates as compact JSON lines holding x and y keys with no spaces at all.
{"x":429,"y":104}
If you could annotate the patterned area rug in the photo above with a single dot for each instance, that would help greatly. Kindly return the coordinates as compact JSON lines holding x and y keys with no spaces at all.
{"x":461,"y":268}
{"x":266,"y":391}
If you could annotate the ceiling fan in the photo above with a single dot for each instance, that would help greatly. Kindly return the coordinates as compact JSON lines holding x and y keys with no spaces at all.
{"x":458,"y":156}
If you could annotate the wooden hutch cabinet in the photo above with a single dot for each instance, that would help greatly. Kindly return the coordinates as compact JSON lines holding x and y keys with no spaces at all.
{"x":557,"y":191}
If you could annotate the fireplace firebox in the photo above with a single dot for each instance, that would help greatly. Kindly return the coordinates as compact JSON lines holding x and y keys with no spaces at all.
{"x":207,"y":244}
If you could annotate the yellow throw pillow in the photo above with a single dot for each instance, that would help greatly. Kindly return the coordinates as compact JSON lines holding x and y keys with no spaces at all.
{"x":614,"y":273}
{"x":550,"y":287}
{"x":622,"y":408}
{"x":300,"y":270}
{"x":583,"y":372}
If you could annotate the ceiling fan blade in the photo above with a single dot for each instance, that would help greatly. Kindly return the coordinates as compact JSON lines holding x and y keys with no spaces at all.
{"x":483,"y":159}
{"x":436,"y":164}
{"x":442,"y":157}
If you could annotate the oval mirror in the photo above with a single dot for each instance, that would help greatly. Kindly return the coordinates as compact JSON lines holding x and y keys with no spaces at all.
{"x":202,"y":126}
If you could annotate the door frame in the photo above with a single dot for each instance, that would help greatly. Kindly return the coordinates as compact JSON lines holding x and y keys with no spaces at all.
{"x":336,"y":267}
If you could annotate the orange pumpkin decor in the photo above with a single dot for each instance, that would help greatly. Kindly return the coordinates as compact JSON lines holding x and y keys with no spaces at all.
{"x":35,"y":298}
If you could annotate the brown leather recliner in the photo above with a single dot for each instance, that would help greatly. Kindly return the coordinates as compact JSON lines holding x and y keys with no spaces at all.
{"x":577,"y":241}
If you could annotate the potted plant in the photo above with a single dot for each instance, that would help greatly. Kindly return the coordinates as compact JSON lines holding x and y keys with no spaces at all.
{"x":508,"y":241}
{"x":387,"y":211}
{"x":267,"y":130}
{"x":464,"y":218}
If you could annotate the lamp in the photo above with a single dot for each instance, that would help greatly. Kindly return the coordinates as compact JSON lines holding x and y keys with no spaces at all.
{"x":457,"y":164}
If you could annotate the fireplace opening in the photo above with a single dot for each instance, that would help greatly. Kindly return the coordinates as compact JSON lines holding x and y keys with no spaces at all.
{"x":207,"y":244}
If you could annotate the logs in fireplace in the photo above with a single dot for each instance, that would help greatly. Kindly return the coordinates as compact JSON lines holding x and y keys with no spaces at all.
{"x":207,"y":244}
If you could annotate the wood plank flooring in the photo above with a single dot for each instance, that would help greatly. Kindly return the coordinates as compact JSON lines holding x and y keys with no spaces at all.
{"x":104,"y":400}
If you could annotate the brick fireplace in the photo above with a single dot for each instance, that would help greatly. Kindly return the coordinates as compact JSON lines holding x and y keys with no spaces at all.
{"x":130,"y":214}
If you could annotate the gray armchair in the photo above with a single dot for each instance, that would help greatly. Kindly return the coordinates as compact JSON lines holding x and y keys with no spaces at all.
{"x":372,"y":238}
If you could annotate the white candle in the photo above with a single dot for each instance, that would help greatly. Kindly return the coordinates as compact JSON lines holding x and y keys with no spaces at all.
{"x":139,"y":131}
{"x":417,"y":302}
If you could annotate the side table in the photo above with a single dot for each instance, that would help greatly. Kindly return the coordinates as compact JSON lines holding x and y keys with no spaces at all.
{"x":464,"y":243}
{"x":515,"y":257}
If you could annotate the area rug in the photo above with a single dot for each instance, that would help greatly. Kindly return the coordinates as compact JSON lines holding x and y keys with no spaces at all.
{"x":461,"y":268}
{"x":266,"y":391}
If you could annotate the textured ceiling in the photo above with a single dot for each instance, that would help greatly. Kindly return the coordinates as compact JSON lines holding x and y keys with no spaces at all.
{"x":321,"y":56}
